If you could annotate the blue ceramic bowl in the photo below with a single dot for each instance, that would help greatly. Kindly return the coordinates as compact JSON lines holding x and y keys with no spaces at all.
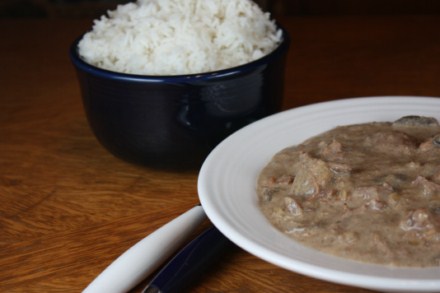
{"x":175,"y":121}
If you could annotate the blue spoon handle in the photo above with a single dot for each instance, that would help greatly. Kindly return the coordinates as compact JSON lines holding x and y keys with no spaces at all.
{"x":190,"y":262}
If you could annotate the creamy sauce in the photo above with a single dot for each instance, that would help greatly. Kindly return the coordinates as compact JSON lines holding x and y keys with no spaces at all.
{"x":368,"y":192}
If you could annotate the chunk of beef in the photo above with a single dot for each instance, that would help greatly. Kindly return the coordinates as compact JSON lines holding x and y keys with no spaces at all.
{"x":391,"y":142}
{"x":418,"y":219}
{"x":330,"y":151}
{"x":311,"y":176}
{"x":293,"y":206}
{"x":429,"y":188}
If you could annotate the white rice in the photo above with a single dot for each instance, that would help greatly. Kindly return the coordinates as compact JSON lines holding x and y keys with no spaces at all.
{"x":173,"y":37}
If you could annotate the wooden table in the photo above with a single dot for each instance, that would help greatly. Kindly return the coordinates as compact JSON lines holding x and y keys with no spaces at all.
{"x":68,"y":207}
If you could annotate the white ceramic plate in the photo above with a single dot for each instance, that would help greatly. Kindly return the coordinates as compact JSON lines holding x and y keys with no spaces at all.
{"x":228,"y":178}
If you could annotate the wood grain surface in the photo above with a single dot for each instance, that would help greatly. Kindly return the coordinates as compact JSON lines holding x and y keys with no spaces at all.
{"x":68,"y":207}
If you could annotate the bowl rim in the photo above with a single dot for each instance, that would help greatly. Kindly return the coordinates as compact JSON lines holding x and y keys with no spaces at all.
{"x":82,"y":65}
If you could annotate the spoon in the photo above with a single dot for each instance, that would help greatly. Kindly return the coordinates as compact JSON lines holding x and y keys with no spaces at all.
{"x":139,"y":261}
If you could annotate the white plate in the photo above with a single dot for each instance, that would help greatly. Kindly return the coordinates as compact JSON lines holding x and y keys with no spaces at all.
{"x":228,"y":178}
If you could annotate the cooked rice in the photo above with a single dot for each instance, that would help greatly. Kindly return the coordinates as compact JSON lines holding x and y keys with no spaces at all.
{"x":173,"y":37}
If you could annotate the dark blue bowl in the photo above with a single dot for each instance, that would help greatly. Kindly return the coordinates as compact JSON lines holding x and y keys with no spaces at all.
{"x":175,"y":121}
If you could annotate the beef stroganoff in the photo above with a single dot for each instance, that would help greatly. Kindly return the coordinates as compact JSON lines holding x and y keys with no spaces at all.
{"x":368,"y":192}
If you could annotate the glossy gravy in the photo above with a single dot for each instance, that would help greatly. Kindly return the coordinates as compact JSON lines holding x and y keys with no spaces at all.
{"x":368,"y":192}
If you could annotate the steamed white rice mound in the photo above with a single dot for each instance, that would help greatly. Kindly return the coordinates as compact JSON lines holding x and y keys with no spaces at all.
{"x":173,"y":37}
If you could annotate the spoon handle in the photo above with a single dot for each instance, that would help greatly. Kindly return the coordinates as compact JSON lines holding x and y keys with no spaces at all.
{"x":147,"y":255}
{"x":196,"y":258}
